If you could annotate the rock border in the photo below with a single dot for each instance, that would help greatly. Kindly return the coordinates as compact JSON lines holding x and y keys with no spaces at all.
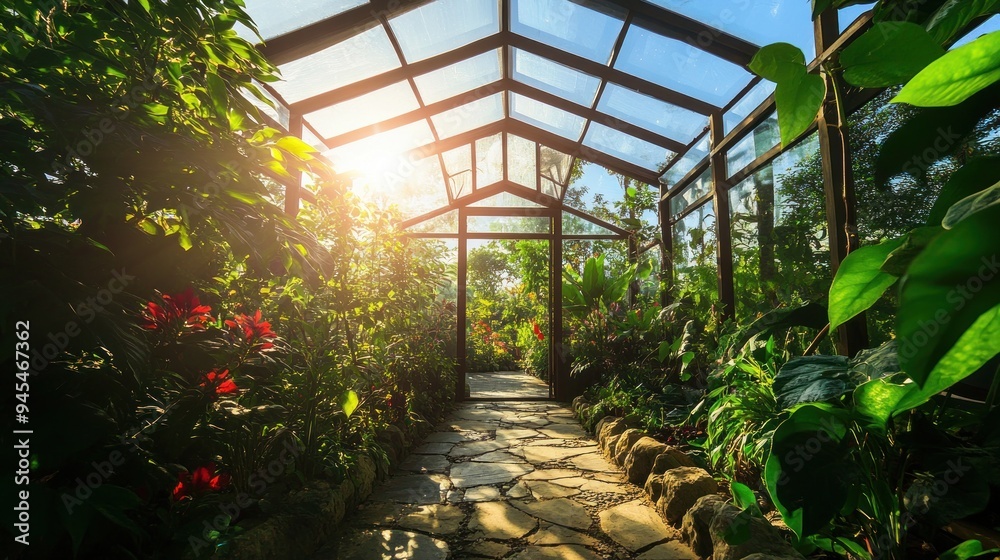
{"x":685,"y":495}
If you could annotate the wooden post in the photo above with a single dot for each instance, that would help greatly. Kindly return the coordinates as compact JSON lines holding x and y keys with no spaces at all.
{"x":461,"y":306}
{"x":724,"y":233}
{"x":558,"y":354}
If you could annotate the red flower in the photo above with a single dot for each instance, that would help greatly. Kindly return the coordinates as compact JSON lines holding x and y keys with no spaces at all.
{"x":203,"y":481}
{"x":219,"y":382}
{"x":254,"y":331}
{"x":537,"y":330}
{"x":184,"y":309}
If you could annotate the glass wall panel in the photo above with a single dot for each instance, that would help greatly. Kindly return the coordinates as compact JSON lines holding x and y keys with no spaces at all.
{"x":761,"y":139}
{"x":413,"y":187}
{"x":651,"y":113}
{"x":509,"y":224}
{"x":470,"y":116}
{"x":555,"y":165}
{"x":365,"y":110}
{"x":277,"y":18}
{"x":465,"y":76}
{"x":507,"y":200}
{"x":445,"y":223}
{"x":546,"y":117}
{"x":746,"y":105}
{"x":364,"y":55}
{"x":680,"y":66}
{"x":381,"y":151}
{"x":695,"y":260}
{"x":684,"y":164}
{"x":276,"y":110}
{"x":522,"y":167}
{"x":489,"y":161}
{"x":551,"y":189}
{"x":575,"y":225}
{"x":626,"y":147}
{"x":443,"y":25}
{"x":458,"y":170}
{"x":554,"y":78}
{"x":781,"y":251}
{"x":698,"y":188}
{"x":761,"y":22}
{"x":582,"y":27}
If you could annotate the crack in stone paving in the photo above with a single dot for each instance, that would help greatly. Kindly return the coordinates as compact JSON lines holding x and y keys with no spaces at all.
{"x":518,"y":480}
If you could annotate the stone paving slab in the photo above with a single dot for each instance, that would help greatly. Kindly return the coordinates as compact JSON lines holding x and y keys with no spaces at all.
{"x":512,"y":480}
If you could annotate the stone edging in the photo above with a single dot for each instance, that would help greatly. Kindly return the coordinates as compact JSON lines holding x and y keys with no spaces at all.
{"x":686,"y":495}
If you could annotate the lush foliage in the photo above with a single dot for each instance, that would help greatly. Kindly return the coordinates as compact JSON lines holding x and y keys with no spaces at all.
{"x":195,"y":352}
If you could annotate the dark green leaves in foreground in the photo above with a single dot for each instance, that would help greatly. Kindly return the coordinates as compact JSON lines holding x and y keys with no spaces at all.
{"x":956,"y":76}
{"x":888,"y":54}
{"x":860,"y":281}
{"x":798,"y":95}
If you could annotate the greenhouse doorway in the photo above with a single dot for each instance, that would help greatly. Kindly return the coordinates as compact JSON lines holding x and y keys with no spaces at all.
{"x":507,"y":309}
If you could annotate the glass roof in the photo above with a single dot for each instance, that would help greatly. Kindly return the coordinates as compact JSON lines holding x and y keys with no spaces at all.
{"x":509,"y":93}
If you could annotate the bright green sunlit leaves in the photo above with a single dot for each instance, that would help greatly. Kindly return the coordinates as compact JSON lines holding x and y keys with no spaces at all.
{"x":889,"y":53}
{"x":956,"y":76}
{"x":798,"y":95}
{"x":349,"y":402}
{"x":860,"y":281}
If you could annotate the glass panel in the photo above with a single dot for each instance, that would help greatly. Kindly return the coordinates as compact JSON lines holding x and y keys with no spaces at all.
{"x":509,"y":224}
{"x":758,"y":21}
{"x":470,"y":116}
{"x":684,"y":164}
{"x":382,"y":151}
{"x":575,"y":225}
{"x":555,"y":165}
{"x":458,"y":170}
{"x":364,"y":55}
{"x":698,"y":188}
{"x":277,"y":18}
{"x":507,"y":200}
{"x":679,"y":66}
{"x":651,"y":113}
{"x":546,"y":117}
{"x":315,"y":141}
{"x":746,"y":105}
{"x":278,"y":111}
{"x":414,"y":187}
{"x":582,"y":27}
{"x":554,"y":78}
{"x":628,"y":148}
{"x":489,"y":161}
{"x":695,"y":264}
{"x":445,"y":223}
{"x":761,"y":139}
{"x":444,"y":25}
{"x":468,"y":75}
{"x":365,"y":110}
{"x":522,"y":167}
{"x":551,"y":189}
{"x":780,"y":244}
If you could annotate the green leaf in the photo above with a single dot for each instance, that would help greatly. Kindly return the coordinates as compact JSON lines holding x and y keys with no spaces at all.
{"x":779,"y":62}
{"x":297,"y":148}
{"x":798,"y":102}
{"x":811,"y":379}
{"x":969,"y":179}
{"x":880,"y":399}
{"x":972,"y":204}
{"x":914,"y":243}
{"x":218,"y":92}
{"x":956,"y":76}
{"x":144,"y":4}
{"x":965,"y":551}
{"x":743,"y":496}
{"x":889,"y":53}
{"x":947,"y":288}
{"x":630,"y":191}
{"x":860,"y":281}
{"x":955,"y":15}
{"x":349,"y":402}
{"x":810,"y":446}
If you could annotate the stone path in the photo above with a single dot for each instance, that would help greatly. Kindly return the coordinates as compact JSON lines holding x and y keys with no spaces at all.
{"x":506,"y":385}
{"x":507,"y":480}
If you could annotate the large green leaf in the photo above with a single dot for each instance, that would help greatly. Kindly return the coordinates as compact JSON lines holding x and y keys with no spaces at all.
{"x":798,"y":102}
{"x":956,"y":76}
{"x":811,"y":379}
{"x":880,"y":399}
{"x":966,"y":550}
{"x":779,"y":62}
{"x":974,"y":176}
{"x":808,"y":471}
{"x":809,"y":314}
{"x":947,"y":288}
{"x":972,"y":204}
{"x":955,"y":15}
{"x":860,"y":281}
{"x":914,"y":243}
{"x":349,"y":402}
{"x":889,"y":53}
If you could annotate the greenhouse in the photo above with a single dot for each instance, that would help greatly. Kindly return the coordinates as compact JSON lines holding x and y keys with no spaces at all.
{"x":523,"y":279}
